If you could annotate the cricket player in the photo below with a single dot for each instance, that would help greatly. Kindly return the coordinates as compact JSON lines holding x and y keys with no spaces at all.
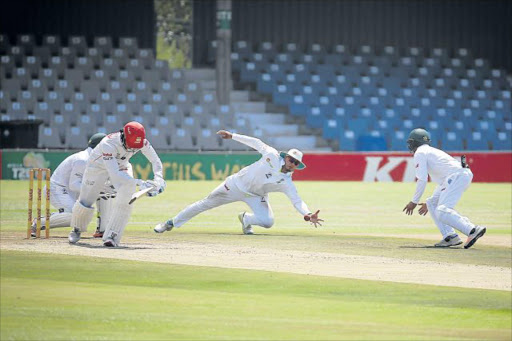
{"x":110,"y":160}
{"x":65,"y":185}
{"x":252,"y":184}
{"x":453,"y":178}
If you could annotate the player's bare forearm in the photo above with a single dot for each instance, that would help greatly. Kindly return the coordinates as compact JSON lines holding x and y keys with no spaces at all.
{"x":225,"y":134}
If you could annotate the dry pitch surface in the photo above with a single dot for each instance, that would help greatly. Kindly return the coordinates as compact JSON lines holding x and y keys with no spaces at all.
{"x":159,"y":248}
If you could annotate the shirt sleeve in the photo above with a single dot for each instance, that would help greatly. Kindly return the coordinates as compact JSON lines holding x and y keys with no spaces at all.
{"x":77,"y":173}
{"x":420,"y":161}
{"x":291,"y":192}
{"x":420,"y":188}
{"x":150,"y":153}
{"x":252,"y":142}
{"x":116,"y":176}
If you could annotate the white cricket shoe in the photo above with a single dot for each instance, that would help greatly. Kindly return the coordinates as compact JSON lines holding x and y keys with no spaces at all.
{"x":452,"y":240}
{"x":74,"y":236}
{"x":246,"y":229}
{"x":476,"y":232}
{"x":165,"y":226}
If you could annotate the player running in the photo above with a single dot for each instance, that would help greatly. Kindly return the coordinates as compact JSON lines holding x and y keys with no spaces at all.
{"x":110,"y":160}
{"x":272,"y":173}
{"x":453,"y":178}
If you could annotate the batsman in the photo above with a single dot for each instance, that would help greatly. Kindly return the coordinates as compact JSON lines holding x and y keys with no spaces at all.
{"x":110,"y":161}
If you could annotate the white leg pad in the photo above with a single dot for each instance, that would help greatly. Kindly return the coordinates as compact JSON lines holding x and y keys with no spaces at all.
{"x":121,"y":212}
{"x":60,"y":219}
{"x":105,"y":210}
{"x":81,"y":217}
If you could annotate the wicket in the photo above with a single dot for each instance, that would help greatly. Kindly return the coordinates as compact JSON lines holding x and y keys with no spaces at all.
{"x":39,"y":173}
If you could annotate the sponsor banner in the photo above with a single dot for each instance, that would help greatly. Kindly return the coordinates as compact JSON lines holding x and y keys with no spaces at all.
{"x":16,"y":164}
{"x":369,"y":167}
{"x":486,"y":167}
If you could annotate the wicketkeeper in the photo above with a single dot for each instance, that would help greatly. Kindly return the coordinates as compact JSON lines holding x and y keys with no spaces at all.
{"x":65,"y":184}
{"x":453,"y":178}
{"x":252,"y":184}
{"x":110,"y":160}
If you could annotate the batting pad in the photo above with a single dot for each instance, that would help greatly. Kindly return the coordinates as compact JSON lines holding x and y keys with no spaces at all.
{"x":104,"y":207}
{"x":82,"y":216}
{"x":62,"y":219}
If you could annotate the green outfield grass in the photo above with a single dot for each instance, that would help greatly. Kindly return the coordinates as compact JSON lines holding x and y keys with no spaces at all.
{"x":63,"y":297}
{"x":53,"y":297}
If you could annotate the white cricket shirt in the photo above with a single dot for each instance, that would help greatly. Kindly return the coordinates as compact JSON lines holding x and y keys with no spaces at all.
{"x":111,"y":155}
{"x":70,"y":171}
{"x":434,"y":162}
{"x":265,"y":176}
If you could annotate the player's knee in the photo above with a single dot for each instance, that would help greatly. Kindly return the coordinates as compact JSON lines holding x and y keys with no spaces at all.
{"x":442,"y":211}
{"x":267,"y":222}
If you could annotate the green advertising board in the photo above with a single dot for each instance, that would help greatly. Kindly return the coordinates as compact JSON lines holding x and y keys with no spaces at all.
{"x":194,"y":166}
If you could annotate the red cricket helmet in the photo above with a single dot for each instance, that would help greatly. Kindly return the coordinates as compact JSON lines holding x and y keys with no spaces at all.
{"x":134,"y":135}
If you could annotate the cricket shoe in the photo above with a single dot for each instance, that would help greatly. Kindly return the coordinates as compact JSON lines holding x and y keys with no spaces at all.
{"x":109,"y":242}
{"x":452,"y":240}
{"x":33,"y":228}
{"x":165,"y":226}
{"x":98,"y":234}
{"x":246,"y":229}
{"x":476,"y":232}
{"x":74,"y":236}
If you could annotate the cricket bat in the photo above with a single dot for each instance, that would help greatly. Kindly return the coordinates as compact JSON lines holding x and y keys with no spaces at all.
{"x":139,"y":194}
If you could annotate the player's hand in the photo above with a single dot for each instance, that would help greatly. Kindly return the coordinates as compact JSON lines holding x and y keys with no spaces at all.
{"x":225,"y":134}
{"x":409,"y":208}
{"x":423,"y":209}
{"x":313,"y":218}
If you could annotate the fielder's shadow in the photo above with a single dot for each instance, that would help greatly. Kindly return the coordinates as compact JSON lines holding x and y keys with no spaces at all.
{"x":429,"y":247}
{"x":89,"y":246}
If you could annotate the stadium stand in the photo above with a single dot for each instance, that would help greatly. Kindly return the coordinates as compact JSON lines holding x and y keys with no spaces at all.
{"x":359,"y":98}
{"x":365,"y":99}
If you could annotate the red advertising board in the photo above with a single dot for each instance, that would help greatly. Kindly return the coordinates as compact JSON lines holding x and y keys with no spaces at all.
{"x":486,"y":167}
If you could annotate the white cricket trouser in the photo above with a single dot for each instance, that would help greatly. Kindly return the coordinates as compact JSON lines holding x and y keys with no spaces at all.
{"x":227,"y":192}
{"x":61,"y":197}
{"x":63,"y":200}
{"x":442,"y":203}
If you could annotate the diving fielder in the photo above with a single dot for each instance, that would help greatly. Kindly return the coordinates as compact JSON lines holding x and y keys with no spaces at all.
{"x":252,"y":184}
{"x":65,"y":185}
{"x":110,"y":160}
{"x":453,"y":178}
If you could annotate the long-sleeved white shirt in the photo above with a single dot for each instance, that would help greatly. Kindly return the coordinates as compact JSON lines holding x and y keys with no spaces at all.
{"x":434,"y":162}
{"x":70,"y":172}
{"x":265,"y":176}
{"x":111,"y":155}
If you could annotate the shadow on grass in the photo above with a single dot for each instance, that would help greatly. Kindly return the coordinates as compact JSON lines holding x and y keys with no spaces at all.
{"x":100,"y":246}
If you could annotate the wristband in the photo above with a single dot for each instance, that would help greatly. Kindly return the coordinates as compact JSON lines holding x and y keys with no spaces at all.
{"x":307,"y":217}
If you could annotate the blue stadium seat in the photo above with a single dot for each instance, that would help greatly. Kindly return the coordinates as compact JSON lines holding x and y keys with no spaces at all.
{"x":371,"y":143}
{"x":451,"y":141}
{"x":347,"y":140}
{"x":477,"y":141}
{"x":502,"y":141}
